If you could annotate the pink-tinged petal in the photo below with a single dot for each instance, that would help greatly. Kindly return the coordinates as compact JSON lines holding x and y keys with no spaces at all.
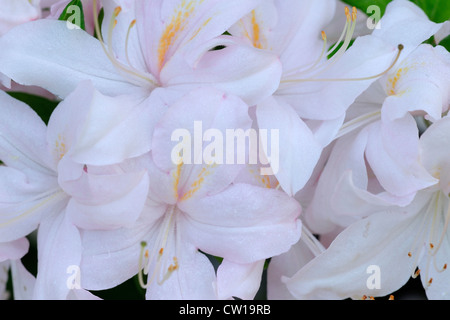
{"x":346,"y":154}
{"x":433,"y":155}
{"x":374,"y":246}
{"x":71,"y":56}
{"x":125,"y":42}
{"x":181,"y":26}
{"x":87,"y":135}
{"x":286,"y":265}
{"x":303,"y":27}
{"x":22,"y":137}
{"x":243,"y":231}
{"x":188,"y":123}
{"x":362,"y":202}
{"x":295,"y":153}
{"x":14,"y":250}
{"x":17,"y":186}
{"x":404,"y":22}
{"x":120,"y":210}
{"x":328,"y":94}
{"x":59,"y":258}
{"x":393,"y":154}
{"x":22,"y":280}
{"x":21,"y":218}
{"x":284,"y":27}
{"x":239,"y":280}
{"x":17,"y":12}
{"x":419,"y":84}
{"x":238,"y":69}
{"x":194,"y":279}
{"x":325,"y":131}
{"x":111,"y":257}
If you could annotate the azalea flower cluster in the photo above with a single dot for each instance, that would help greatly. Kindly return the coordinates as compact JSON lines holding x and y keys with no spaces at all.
{"x":350,"y":170}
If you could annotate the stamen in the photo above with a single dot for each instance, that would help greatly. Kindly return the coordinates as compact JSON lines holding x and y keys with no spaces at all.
{"x":132,"y":24}
{"x":43,"y":199}
{"x":391,"y":297}
{"x":155,"y":258}
{"x":311,"y":241}
{"x":357,"y":122}
{"x":444,"y":232}
{"x":347,"y":28}
{"x":400,"y":48}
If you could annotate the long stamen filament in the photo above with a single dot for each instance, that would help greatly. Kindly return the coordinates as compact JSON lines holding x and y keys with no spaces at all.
{"x":155,"y":259}
{"x":400,"y":48}
{"x":444,"y":232}
{"x":346,"y":32}
{"x":109,"y":51}
{"x":311,"y":241}
{"x":356,"y":123}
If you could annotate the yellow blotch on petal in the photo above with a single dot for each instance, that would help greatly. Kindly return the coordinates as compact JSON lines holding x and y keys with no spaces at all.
{"x":256,"y":31}
{"x":197,"y":184}
{"x":393,"y":81}
{"x":177,"y":24}
{"x":60,"y":147}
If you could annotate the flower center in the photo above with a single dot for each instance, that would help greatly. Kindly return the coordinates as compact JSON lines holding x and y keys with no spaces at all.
{"x":134,"y":75}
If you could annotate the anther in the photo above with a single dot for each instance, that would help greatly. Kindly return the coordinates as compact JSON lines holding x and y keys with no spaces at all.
{"x":354,"y":14}
{"x":347,"y":14}
{"x":391,"y":297}
{"x":117,"y":10}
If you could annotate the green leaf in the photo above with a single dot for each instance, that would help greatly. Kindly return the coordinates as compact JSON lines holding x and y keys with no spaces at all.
{"x":74,"y":14}
{"x":42,"y":106}
{"x":445,"y":43}
{"x":437,"y":10}
{"x":367,"y":6}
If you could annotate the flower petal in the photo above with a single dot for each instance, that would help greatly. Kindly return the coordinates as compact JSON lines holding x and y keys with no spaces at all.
{"x":296,"y":151}
{"x":239,"y":280}
{"x":243,"y":231}
{"x":377,"y":245}
{"x":70,"y":56}
{"x":14,"y":250}
{"x":59,"y":256}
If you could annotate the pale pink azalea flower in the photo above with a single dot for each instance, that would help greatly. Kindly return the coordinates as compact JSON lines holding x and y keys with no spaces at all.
{"x":314,"y":93}
{"x":379,"y":161}
{"x":403,"y":242}
{"x":194,"y":209}
{"x":143,"y":45}
{"x":50,"y":184}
